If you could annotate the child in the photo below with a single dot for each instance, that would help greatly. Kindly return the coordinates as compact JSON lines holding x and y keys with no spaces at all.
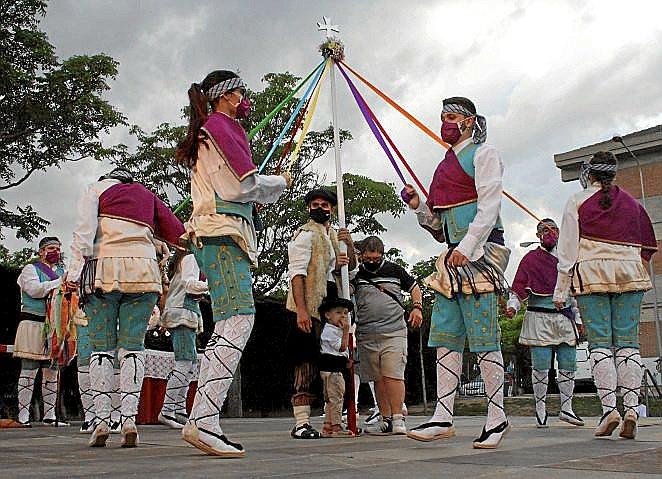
{"x":333,"y":362}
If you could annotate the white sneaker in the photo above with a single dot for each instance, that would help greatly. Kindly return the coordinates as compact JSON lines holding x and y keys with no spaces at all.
{"x":55,"y":422}
{"x":99,"y":435}
{"x":129,"y":434}
{"x":384,"y":427}
{"x":571,"y":418}
{"x":607,"y":424}
{"x":87,"y":427}
{"x":491,"y":439}
{"x":431,"y":431}
{"x":629,"y":425}
{"x":374,"y":417}
{"x":399,"y":426}
{"x":211,"y":443}
{"x":171,"y":421}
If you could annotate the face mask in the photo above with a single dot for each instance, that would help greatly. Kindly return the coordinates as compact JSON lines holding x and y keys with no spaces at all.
{"x":549,"y":239}
{"x":53,"y":257}
{"x":372,"y":267}
{"x":243,"y":109}
{"x":320,"y":215}
{"x":450,"y":132}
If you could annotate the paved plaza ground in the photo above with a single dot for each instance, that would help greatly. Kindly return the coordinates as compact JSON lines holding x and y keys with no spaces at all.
{"x":558,"y":452}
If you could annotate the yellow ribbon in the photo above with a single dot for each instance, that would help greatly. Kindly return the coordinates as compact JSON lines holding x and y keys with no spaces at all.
{"x":309,"y":116}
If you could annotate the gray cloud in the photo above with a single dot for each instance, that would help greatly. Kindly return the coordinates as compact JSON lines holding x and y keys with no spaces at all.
{"x":549,"y":76}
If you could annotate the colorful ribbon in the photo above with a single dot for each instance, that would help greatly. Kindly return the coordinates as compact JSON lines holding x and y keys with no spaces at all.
{"x":363,"y":106}
{"x":287,"y":126}
{"x":367,"y":114}
{"x":280,"y":106}
{"x":425,"y":129}
{"x":309,"y":116}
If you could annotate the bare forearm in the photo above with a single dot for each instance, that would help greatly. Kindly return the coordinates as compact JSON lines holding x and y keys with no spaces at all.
{"x":298,"y":292}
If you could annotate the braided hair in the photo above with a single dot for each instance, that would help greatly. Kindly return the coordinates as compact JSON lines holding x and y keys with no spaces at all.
{"x":187,"y":149}
{"x":605,"y":178}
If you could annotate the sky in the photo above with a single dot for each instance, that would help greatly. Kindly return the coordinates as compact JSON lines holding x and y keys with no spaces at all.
{"x":549,"y":77}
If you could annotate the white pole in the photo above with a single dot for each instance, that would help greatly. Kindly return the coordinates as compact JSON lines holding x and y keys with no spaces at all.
{"x":344,"y":272}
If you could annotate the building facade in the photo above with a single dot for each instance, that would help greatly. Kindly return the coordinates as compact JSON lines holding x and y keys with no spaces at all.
{"x":647,"y":146}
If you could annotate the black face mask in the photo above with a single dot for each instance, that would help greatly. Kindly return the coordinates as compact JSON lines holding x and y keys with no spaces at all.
{"x":320,"y":215}
{"x":372,"y":267}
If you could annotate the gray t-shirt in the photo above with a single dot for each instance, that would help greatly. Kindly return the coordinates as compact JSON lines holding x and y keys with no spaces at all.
{"x":376,"y":311}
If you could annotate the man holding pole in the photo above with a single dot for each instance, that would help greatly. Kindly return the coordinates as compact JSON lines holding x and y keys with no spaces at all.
{"x":315,"y":261}
{"x":463,"y":211}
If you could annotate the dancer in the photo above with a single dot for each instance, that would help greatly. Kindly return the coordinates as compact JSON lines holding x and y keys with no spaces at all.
{"x":224,"y":183}
{"x":314,"y":259}
{"x":333,"y":362}
{"x":183,"y":319}
{"x":463,"y":210}
{"x":605,"y":233}
{"x":114,"y":265}
{"x":544,"y":328}
{"x":36,"y":281}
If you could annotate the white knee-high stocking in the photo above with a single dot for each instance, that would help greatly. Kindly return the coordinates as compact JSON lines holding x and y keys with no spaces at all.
{"x":449,"y":368}
{"x":132,"y":371}
{"x":604,"y":374}
{"x":25,"y":390}
{"x":629,"y":373}
{"x":101,"y":383}
{"x":491,"y":368}
{"x":539,"y":380}
{"x":566,"y":382}
{"x":176,"y":389}
{"x":220,"y":361}
{"x":49,"y":391}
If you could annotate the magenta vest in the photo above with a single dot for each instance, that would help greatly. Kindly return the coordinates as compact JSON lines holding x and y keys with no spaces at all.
{"x":536,"y":273}
{"x":133,"y":202}
{"x":625,"y":222}
{"x":451,"y":185}
{"x":229,"y":138}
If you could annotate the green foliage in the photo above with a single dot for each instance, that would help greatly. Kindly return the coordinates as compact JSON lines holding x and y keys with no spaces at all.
{"x":17,"y":259}
{"x":52,"y":112}
{"x":153,"y":163}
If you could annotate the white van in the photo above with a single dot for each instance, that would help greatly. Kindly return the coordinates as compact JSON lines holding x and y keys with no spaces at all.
{"x":583,"y":376}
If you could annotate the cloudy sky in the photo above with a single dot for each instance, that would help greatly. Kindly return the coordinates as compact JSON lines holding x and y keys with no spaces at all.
{"x":549,"y":77}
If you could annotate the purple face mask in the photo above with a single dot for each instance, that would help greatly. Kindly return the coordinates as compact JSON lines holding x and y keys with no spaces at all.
{"x":450,"y":132}
{"x":53,"y":257}
{"x":243,"y":109}
{"x":549,"y":239}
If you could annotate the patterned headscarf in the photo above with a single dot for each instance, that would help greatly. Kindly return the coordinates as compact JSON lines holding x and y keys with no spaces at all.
{"x":49,"y":240}
{"x":546,"y":222}
{"x":465,"y":107}
{"x":587,"y":168}
{"x":121,"y":174}
{"x":225,"y":86}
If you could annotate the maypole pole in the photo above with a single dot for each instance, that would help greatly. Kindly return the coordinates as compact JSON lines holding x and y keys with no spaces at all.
{"x":333,"y":49}
{"x":326,"y":27}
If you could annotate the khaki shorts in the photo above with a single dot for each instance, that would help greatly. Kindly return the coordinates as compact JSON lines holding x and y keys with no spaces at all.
{"x":382,"y":355}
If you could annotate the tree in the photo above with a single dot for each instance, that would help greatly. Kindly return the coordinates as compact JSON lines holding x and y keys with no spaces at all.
{"x":153,"y":164}
{"x":17,"y":259}
{"x":52,"y":112}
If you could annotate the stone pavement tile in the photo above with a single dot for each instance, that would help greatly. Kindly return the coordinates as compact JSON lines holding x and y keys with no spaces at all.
{"x":559,"y":451}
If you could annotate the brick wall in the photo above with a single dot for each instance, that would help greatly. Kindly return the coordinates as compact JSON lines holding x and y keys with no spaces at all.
{"x":628,"y":178}
{"x":648,"y":339}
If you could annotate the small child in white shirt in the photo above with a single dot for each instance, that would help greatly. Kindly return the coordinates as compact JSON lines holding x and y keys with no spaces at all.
{"x":334,"y":356}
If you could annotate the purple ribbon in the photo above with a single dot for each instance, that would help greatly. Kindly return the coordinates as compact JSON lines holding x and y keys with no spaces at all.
{"x":365,"y":110}
{"x":52,"y":275}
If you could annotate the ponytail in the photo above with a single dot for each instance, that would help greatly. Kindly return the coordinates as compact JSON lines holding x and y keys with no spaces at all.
{"x":187,"y":149}
{"x":603,"y":169}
